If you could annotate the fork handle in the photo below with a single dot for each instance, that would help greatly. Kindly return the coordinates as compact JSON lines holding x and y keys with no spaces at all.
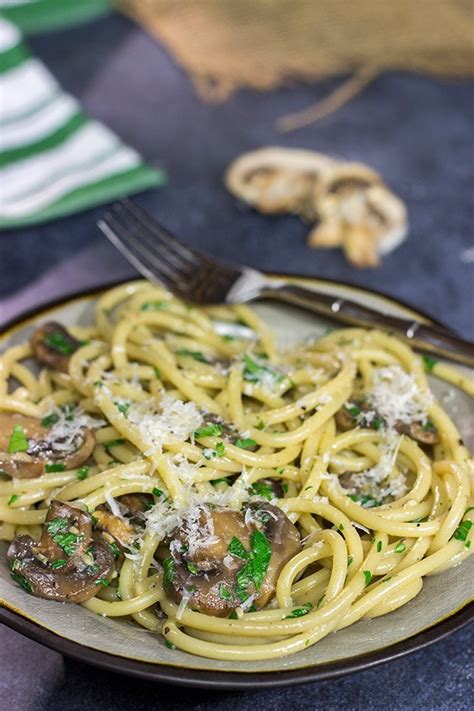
{"x":421,"y":336}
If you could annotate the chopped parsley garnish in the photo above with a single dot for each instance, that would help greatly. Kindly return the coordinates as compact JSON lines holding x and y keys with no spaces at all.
{"x":56,"y":467}
{"x":233,"y":615}
{"x":169,"y":644}
{"x":59,"y":563}
{"x":428,"y":426}
{"x":82,"y":473}
{"x":115,"y":550}
{"x":157,"y":492}
{"x":429,"y":363}
{"x":400,"y":547}
{"x":56,"y":525}
{"x":57,"y":342}
{"x":367,"y":576}
{"x":353,"y":410}
{"x":114,"y":443}
{"x":262,"y":489}
{"x":50,"y":420}
{"x":154,"y":306}
{"x":237,"y":548}
{"x":377,"y":423}
{"x":462,"y":531}
{"x":227,"y":338}
{"x":197,"y":355}
{"x":364,"y":500}
{"x":256,"y":373}
{"x":260,"y":425}
{"x":168,"y":567}
{"x":349,"y":560}
{"x":256,"y":566}
{"x":192,"y":567}
{"x":379,"y":546}
{"x":12,"y":499}
{"x":245,"y":443}
{"x":18,"y":441}
{"x":103,"y":581}
{"x":210,"y":430}
{"x":220,"y":449}
{"x":224,"y":593}
{"x":300,"y":611}
{"x":22,"y":581}
{"x":123,"y":407}
{"x":67,"y":541}
{"x":285,"y":487}
{"x":222,"y":480}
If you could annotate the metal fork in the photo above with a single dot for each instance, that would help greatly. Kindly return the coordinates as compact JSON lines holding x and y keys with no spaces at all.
{"x":199,"y":279}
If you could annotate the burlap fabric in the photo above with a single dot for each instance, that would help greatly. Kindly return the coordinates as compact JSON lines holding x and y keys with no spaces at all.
{"x":228,"y":44}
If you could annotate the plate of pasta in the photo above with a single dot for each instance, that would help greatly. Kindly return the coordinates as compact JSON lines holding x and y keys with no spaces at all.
{"x":230,"y":496}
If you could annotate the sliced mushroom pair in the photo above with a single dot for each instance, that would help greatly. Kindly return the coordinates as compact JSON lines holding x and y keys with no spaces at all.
{"x":238,"y":564}
{"x":424,"y":434}
{"x":351,"y":206}
{"x":31,"y":462}
{"x":70,"y":562}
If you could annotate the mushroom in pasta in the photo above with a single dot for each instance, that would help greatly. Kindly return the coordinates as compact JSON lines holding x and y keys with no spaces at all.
{"x":358,"y":413}
{"x":69,"y":563}
{"x":221,"y":559}
{"x":53,"y":345}
{"x":27,"y":447}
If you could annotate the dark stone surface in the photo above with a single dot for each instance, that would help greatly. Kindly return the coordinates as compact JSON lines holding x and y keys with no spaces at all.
{"x":417,"y":132}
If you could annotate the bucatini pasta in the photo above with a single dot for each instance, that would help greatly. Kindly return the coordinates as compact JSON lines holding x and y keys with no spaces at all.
{"x":173,"y":465}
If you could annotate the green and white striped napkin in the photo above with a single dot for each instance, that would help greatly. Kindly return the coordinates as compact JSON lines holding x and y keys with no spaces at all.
{"x":55,"y":161}
{"x":39,"y":15}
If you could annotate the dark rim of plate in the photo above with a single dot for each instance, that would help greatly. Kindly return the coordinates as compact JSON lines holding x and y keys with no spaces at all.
{"x":154,"y":671}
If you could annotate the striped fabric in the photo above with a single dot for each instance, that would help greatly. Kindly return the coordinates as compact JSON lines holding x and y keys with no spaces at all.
{"x":40,"y":15}
{"x":53,"y":159}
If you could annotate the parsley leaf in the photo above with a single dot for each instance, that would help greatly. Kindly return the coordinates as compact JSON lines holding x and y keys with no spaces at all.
{"x":56,"y":467}
{"x":154,"y":306}
{"x":400,"y":547}
{"x":59,"y":563}
{"x":224,"y":593}
{"x":462,"y":531}
{"x":245,"y":443}
{"x":237,"y":548}
{"x":197,"y":355}
{"x":12,"y":499}
{"x":57,"y":342}
{"x":169,"y":568}
{"x":429,"y":363}
{"x":56,"y":524}
{"x":260,"y":558}
{"x":50,"y":420}
{"x":263,"y":489}
{"x":300,"y":611}
{"x":254,"y":372}
{"x":210,"y":430}
{"x":18,"y":441}
{"x":82,"y":473}
{"x":67,"y":541}
{"x":367,"y":576}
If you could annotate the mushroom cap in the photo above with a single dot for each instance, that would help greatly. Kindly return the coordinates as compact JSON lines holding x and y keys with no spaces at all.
{"x":31,"y":464}
{"x":54,"y":356}
{"x":68,"y":563}
{"x":277,"y":179}
{"x":207,"y":574}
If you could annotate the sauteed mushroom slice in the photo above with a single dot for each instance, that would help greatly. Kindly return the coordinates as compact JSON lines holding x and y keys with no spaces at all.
{"x":359,"y":413}
{"x":359,"y":213}
{"x":68,"y":564}
{"x":34,"y":447}
{"x":53,"y":345}
{"x":276,"y":180}
{"x":120,"y":529}
{"x":221,"y":559}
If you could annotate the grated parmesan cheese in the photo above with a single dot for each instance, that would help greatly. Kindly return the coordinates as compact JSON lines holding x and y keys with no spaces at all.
{"x":165,"y":422}
{"x":396,"y":397}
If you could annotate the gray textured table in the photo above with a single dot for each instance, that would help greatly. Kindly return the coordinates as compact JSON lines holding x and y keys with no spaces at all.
{"x":417,"y":132}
